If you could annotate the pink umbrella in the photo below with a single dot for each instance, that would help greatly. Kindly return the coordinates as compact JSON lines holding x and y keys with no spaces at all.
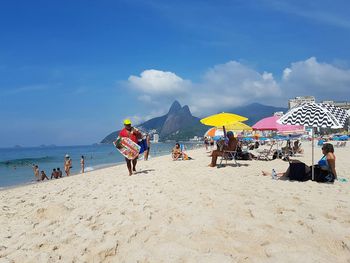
{"x":271,"y":124}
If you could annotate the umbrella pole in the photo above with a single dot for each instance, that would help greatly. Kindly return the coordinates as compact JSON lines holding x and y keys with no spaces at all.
{"x":312,"y":170}
{"x":223,"y":127}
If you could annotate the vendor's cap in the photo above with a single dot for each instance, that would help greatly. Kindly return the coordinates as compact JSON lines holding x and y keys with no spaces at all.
{"x":67,"y":156}
{"x":127,"y":122}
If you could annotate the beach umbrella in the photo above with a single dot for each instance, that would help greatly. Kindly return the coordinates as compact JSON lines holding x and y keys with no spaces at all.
{"x":222,"y":119}
{"x":212,"y":132}
{"x":315,"y":115}
{"x":238,"y":126}
{"x":271,"y":124}
{"x":219,"y":131}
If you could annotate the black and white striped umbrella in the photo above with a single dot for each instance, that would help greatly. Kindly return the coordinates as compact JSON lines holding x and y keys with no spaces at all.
{"x":316,"y":115}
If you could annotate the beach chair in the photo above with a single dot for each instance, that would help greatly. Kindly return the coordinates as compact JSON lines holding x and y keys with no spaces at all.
{"x":229,"y":156}
{"x":266,"y":154}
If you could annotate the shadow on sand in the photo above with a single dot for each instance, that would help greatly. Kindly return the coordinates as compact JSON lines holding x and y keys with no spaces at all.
{"x":144,"y":171}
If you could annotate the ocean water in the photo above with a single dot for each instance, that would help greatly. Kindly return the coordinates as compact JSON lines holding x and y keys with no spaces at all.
{"x":16,"y":163}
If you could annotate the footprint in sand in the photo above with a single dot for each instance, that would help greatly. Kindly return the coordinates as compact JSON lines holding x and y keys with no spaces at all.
{"x":250,"y":213}
{"x":52,"y":212}
{"x":328,"y":216}
{"x":312,"y":217}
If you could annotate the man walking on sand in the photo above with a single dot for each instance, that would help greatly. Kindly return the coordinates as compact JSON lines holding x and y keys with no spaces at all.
{"x":133,"y":134}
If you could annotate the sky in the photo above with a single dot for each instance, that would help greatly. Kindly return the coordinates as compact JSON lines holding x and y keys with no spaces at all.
{"x":71,"y":71}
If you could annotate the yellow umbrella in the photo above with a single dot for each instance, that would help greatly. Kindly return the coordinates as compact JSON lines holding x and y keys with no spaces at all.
{"x":237,"y":126}
{"x":222,"y":119}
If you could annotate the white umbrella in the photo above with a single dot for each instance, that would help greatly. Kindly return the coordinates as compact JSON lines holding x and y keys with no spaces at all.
{"x":315,"y":115}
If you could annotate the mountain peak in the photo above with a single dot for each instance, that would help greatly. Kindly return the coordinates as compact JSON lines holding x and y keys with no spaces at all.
{"x":175,"y":107}
{"x":186,"y":110}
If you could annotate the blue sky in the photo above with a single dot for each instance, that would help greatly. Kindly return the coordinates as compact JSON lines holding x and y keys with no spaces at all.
{"x":71,"y":71}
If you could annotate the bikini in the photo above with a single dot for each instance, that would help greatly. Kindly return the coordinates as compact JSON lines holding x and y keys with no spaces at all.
{"x":323,"y":163}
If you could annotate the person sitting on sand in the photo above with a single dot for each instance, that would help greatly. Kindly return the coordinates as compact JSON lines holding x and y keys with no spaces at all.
{"x":230,"y":146}
{"x":324,"y":171}
{"x":43,"y":176}
{"x":59,"y":172}
{"x":54,"y":174}
{"x":176,"y":153}
{"x":67,"y":164}
{"x":297,"y":148}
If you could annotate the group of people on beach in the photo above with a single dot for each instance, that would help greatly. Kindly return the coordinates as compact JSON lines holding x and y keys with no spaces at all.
{"x":56,"y":172}
{"x":324,"y":170}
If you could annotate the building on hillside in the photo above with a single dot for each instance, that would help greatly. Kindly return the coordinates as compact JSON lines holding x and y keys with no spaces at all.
{"x":278,"y":113}
{"x":195,"y":139}
{"x":300,"y":100}
{"x":341,"y":104}
{"x":155,"y":138}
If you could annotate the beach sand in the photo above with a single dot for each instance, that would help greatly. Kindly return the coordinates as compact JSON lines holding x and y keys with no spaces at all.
{"x":180,"y":211}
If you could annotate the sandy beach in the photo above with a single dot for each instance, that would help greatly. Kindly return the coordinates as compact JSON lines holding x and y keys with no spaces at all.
{"x":182,"y":211}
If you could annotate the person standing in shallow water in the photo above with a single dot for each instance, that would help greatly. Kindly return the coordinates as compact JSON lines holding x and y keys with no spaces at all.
{"x":133,"y":134}
{"x":36,"y":172}
{"x":82,"y":164}
{"x":148,"y":141}
{"x":67,"y":164}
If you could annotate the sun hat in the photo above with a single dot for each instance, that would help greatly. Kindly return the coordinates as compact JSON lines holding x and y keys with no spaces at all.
{"x":127,"y":122}
{"x":67,"y":156}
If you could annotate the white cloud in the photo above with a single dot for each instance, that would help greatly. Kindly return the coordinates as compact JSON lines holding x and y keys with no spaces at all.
{"x":309,"y":77}
{"x":158,"y":82}
{"x":233,"y":84}
{"x":226,"y":85}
